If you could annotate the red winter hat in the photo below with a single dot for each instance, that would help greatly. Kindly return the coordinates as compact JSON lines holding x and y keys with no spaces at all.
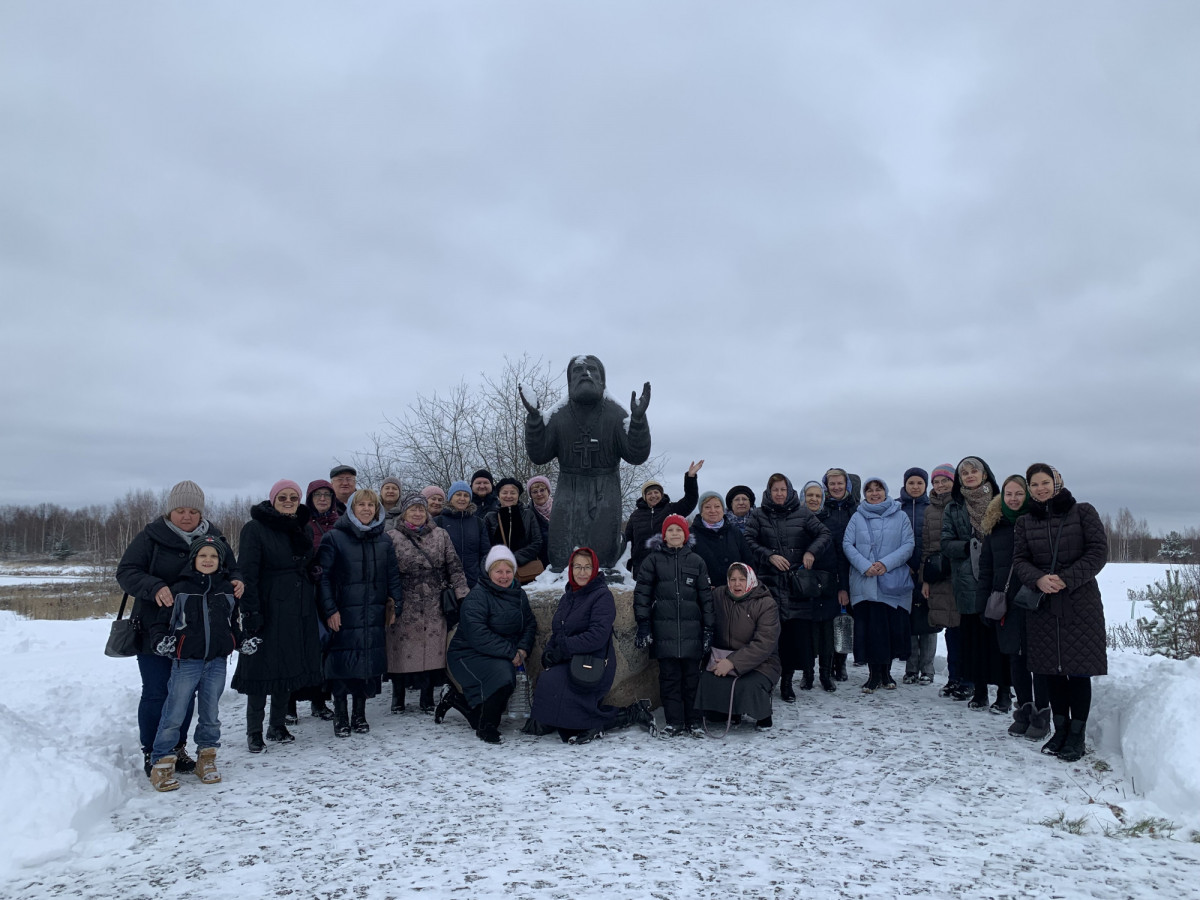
{"x":675,"y":520}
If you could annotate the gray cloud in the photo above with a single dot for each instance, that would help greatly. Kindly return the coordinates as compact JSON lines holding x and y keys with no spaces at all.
{"x":233,"y":239}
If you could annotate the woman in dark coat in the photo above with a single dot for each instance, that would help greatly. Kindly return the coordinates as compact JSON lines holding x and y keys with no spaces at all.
{"x":1032,"y":716}
{"x":747,"y":622}
{"x":466,"y":530}
{"x":825,"y":606}
{"x":719,"y":543}
{"x":1066,"y":634}
{"x":542,"y":505}
{"x":358,"y":580}
{"x":936,"y":587}
{"x":582,"y":624}
{"x":840,"y":504}
{"x":323,"y":515}
{"x":914,"y":501}
{"x":962,"y":541}
{"x":280,"y":607}
{"x":784,"y":535}
{"x":148,"y":568}
{"x":496,"y":631}
{"x":514,"y":526}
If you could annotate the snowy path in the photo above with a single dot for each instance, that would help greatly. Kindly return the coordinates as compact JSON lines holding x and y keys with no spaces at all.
{"x":896,"y":794}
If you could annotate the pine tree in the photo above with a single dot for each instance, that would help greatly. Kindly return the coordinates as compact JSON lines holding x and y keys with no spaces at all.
{"x":1174,"y":549}
{"x":1175,"y":630}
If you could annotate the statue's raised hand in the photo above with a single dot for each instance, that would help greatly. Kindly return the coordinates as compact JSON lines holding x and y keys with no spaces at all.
{"x":528,"y":406}
{"x":636,"y":406}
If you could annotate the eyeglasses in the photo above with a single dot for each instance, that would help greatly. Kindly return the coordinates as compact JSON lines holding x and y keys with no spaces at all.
{"x":288,"y":498}
{"x":584,"y":567}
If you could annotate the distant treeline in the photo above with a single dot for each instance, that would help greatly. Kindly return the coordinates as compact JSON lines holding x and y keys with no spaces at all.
{"x":99,"y":534}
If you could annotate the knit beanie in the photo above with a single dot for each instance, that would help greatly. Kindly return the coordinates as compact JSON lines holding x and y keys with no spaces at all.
{"x":208,"y":541}
{"x":710,"y":495}
{"x":434,"y":491}
{"x":738,"y":489}
{"x":342,"y":470}
{"x":483,"y":473}
{"x":886,"y":493}
{"x":945,"y":469}
{"x":675,"y":520}
{"x":538,"y":479}
{"x":458,"y":486}
{"x":497,"y":554}
{"x":413,"y":499}
{"x":507,"y":481}
{"x":915,"y":470}
{"x":652,"y":483}
{"x":185,"y":495}
{"x":280,"y":485}
{"x":391,"y":479}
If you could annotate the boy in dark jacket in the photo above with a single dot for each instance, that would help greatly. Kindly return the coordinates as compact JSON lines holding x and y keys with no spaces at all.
{"x":674,"y":610}
{"x":199,"y":637}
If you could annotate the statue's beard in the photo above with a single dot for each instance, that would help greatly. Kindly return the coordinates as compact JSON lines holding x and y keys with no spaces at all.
{"x":587,"y":392}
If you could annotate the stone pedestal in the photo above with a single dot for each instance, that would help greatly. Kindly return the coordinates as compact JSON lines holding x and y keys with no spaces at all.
{"x":637,"y":673}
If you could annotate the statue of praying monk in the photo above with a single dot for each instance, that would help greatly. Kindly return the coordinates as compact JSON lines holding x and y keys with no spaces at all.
{"x":590,"y":434}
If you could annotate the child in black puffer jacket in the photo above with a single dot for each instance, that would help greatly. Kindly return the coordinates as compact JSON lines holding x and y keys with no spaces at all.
{"x":199,"y":637}
{"x":673,"y":607}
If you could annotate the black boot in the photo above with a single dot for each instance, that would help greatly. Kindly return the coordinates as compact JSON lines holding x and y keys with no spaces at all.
{"x":184,"y":762}
{"x":490,"y":712}
{"x":635,"y":713}
{"x":291,"y":717}
{"x":426,"y":701}
{"x":254,"y":742}
{"x":322,"y":711}
{"x":398,"y":694}
{"x":839,"y":667}
{"x":786,"y":693}
{"x":807,"y":683}
{"x":1062,"y":729}
{"x":874,"y":680}
{"x":1021,"y":718}
{"x":1073,"y":749}
{"x":358,"y":717}
{"x":341,"y":719}
{"x":1039,"y":724}
{"x":279,"y":734}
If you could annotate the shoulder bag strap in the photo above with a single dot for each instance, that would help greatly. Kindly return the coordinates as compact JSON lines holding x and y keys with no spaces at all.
{"x":121,"y":611}
{"x":421,"y":550}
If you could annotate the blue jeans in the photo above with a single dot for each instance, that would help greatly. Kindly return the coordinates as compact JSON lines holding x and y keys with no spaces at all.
{"x":156,"y":675}
{"x":191,"y":677}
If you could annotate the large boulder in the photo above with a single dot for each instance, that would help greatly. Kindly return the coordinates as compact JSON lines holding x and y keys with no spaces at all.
{"x":637,"y":673}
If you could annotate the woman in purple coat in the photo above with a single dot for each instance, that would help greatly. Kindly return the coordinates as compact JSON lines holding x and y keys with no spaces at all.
{"x":583,"y":623}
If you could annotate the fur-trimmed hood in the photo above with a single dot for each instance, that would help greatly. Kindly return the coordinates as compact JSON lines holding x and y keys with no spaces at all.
{"x":992,"y":515}
{"x":656,"y":542}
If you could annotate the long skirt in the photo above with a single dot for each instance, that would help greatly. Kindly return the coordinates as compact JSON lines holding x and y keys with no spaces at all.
{"x":982,"y":659}
{"x":751,"y":695}
{"x":881,"y":632}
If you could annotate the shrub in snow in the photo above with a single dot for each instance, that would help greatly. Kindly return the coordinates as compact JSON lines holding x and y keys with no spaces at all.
{"x":1173,"y":549}
{"x":1175,"y":630}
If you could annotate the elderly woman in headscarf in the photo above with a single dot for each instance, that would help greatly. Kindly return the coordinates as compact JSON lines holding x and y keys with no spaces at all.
{"x":741,"y":682}
{"x":825,"y":606}
{"x":962,"y":542}
{"x":148,"y":568}
{"x":1059,"y":549}
{"x":542,"y":504}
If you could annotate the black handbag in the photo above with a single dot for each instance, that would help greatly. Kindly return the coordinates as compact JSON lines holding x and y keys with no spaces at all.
{"x":122,"y":636}
{"x":934,"y":569}
{"x":587,"y":670}
{"x":811,"y":584}
{"x":1028,"y":598}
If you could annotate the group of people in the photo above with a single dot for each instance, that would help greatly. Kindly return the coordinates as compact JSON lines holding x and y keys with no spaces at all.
{"x":338,"y":588}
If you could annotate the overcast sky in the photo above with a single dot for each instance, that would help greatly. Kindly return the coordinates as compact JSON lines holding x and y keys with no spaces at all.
{"x":233,"y":237}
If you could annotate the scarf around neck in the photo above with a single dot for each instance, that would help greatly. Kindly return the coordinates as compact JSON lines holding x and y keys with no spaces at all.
{"x":188,"y":536}
{"x":977,"y":500}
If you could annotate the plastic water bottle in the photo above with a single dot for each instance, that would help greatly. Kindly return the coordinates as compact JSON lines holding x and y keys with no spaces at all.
{"x":843,"y":632}
{"x":519,"y":704}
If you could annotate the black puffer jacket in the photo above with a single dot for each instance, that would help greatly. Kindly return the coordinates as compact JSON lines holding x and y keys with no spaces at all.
{"x":674,"y":596}
{"x":1066,"y":635}
{"x":995,"y":566}
{"x":358,"y":574}
{"x":789,"y":529}
{"x":203,"y":618}
{"x":646,"y":521}
{"x":279,"y":604}
{"x":153,"y":560}
{"x":838,"y":514}
{"x":720,"y":548}
{"x":470,"y":538}
{"x":516,"y":528}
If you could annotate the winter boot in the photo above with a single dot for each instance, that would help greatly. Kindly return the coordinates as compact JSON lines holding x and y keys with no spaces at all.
{"x":874,"y":680}
{"x":206,"y":766}
{"x":534,"y":728}
{"x":397,"y":695}
{"x":162,"y":775}
{"x":635,"y":713}
{"x":280,"y":735}
{"x":885,"y":676}
{"x":1021,"y":717}
{"x":322,"y":711}
{"x":948,"y":690}
{"x":358,"y":716}
{"x":839,"y":667}
{"x":146,"y":764}
{"x":807,"y":683}
{"x":426,"y":700}
{"x":786,"y":693}
{"x":763,"y":724}
{"x":827,"y":682}
{"x":1062,"y":728}
{"x":291,"y":717}
{"x":1003,"y":704}
{"x":490,"y":711}
{"x":1073,"y":749}
{"x":1039,"y":724}
{"x":341,"y":719}
{"x":183,"y":762}
{"x":254,"y":742}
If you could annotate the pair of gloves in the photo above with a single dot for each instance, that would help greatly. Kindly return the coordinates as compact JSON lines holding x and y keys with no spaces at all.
{"x":553,"y":654}
{"x":166,"y":646}
{"x":645,"y":637}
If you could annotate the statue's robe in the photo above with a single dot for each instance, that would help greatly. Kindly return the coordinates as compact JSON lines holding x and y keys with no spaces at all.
{"x":590,"y":441}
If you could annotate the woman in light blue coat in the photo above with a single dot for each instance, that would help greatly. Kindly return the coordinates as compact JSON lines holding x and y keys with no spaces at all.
{"x":878,"y":543}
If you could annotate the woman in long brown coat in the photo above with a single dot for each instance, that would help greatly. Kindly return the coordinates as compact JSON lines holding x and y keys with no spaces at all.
{"x":416,"y":641}
{"x":935,"y":577}
{"x":1066,"y":634}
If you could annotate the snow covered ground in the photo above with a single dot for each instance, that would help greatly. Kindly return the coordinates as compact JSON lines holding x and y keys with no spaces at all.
{"x":894,"y":794}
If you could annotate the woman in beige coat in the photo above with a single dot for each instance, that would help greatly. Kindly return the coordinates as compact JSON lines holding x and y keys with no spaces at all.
{"x":416,"y":641}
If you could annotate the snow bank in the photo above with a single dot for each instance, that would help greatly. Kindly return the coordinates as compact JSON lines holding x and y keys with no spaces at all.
{"x":68,"y":753}
{"x":1145,"y":713}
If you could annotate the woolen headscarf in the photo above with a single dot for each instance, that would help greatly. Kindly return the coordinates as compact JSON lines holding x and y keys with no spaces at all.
{"x":751,"y":578}
{"x":1011,"y":515}
{"x":1048,"y":470}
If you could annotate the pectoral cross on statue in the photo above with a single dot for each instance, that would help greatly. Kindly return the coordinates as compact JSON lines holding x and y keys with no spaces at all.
{"x":588,"y":449}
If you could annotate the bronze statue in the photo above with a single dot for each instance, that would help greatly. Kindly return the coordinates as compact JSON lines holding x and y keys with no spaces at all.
{"x":590,"y":434}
